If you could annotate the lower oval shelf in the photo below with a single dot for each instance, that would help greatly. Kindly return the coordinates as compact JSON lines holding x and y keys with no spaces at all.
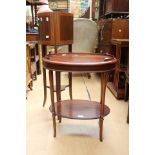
{"x":79,"y":109}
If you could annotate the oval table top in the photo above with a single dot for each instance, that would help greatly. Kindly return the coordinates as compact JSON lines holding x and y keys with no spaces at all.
{"x":79,"y":62}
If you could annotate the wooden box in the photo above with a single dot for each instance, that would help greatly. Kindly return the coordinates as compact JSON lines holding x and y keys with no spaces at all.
{"x":55,"y":28}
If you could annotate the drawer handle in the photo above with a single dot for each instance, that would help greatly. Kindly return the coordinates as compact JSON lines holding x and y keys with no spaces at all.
{"x":47,"y":36}
{"x":119,"y":30}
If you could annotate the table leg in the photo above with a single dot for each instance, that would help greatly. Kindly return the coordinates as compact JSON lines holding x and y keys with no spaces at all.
{"x":45,"y":89}
{"x":38,"y":63}
{"x":70,"y":85}
{"x":103,"y":89}
{"x":52,"y":100}
{"x":44,"y":75}
{"x":58,"y":93}
{"x":70,"y":74}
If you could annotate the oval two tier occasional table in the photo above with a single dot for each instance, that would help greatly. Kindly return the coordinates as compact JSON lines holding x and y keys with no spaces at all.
{"x":78,"y":62}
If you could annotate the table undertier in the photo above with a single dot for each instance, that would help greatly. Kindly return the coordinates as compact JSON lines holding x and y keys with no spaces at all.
{"x":79,"y":109}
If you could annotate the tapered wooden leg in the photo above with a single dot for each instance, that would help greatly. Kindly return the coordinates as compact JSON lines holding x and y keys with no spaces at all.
{"x":44,"y":52}
{"x":103,"y":89}
{"x":58,"y":92}
{"x":52,"y":101}
{"x":44,"y":84}
{"x":70,"y":74}
{"x":101,"y":129}
{"x":70,"y":85}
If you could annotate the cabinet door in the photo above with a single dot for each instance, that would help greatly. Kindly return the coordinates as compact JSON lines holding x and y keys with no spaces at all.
{"x":46,"y":28}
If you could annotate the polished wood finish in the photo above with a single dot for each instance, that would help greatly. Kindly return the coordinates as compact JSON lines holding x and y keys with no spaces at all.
{"x":121,"y":52}
{"x":80,"y":109}
{"x":78,"y":62}
{"x":44,"y":52}
{"x":52,"y":101}
{"x":55,"y":28}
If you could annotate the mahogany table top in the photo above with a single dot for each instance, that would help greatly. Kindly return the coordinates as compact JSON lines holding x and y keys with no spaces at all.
{"x":79,"y":62}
